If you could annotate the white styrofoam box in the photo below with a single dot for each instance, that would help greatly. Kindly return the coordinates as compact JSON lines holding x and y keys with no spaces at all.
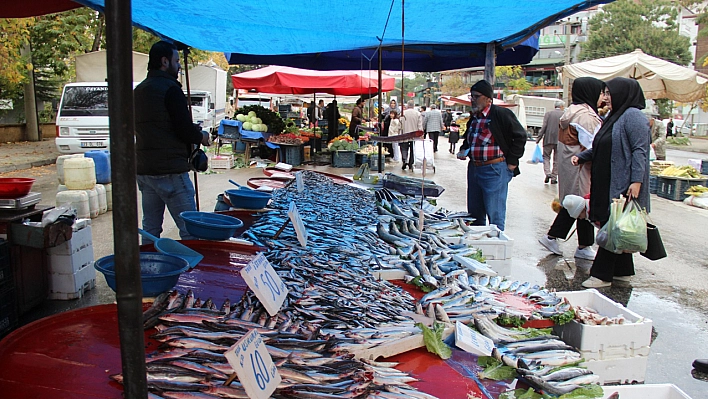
{"x":495,"y":248}
{"x":653,"y":391}
{"x":615,"y":352}
{"x":501,"y":266}
{"x":109,"y":195}
{"x":70,"y":264}
{"x":619,"y":371}
{"x":634,"y":334}
{"x":80,"y":239}
{"x":80,"y":224}
{"x":71,"y":286}
{"x":222,"y":162}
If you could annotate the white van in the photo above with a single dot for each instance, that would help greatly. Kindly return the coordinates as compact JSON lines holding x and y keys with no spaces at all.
{"x":82,"y":118}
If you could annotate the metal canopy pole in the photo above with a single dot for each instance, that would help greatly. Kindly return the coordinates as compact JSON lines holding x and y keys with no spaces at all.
{"x":185,"y":51}
{"x":125,"y":213}
{"x":380,"y":111}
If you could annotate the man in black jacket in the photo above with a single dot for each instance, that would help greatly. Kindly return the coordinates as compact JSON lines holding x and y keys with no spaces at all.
{"x":165,"y":136}
{"x":494,"y":142}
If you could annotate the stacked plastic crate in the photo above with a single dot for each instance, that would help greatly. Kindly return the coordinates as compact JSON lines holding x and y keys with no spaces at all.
{"x":71,"y":271}
{"x":617,"y":353}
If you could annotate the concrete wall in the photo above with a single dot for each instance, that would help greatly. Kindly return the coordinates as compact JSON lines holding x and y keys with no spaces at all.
{"x":17,"y":132}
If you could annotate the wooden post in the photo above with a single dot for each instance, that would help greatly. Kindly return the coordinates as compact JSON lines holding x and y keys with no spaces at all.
{"x":490,"y":63}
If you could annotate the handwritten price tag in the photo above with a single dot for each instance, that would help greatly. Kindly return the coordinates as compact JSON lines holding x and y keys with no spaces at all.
{"x":471,"y":341}
{"x":298,"y":224}
{"x":299,"y":182}
{"x":265,"y":283}
{"x":253,"y":365}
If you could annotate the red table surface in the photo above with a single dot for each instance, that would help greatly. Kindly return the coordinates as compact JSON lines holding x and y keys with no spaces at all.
{"x":72,"y":354}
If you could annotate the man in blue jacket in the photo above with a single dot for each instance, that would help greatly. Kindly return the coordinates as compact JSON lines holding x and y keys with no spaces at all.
{"x":494,"y":142}
{"x":165,"y":136}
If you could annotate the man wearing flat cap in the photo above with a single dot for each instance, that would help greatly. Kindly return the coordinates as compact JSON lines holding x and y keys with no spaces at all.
{"x":494,"y":142}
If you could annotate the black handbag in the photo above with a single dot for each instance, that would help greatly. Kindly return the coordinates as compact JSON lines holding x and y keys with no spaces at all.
{"x":655,"y":246}
{"x":198,"y":160}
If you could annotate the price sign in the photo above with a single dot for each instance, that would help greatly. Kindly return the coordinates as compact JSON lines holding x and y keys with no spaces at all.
{"x":471,"y":341}
{"x":265,"y":283}
{"x":298,"y":224}
{"x":253,"y":365}
{"x":299,"y":182}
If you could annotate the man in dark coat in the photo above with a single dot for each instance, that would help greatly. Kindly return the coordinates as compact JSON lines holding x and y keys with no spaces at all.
{"x":549,"y":135}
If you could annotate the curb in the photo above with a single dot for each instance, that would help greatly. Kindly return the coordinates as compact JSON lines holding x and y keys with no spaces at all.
{"x":28,"y":165}
{"x":687,"y":148}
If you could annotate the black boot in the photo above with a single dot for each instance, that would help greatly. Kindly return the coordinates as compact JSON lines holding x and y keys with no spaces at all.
{"x":701,"y":365}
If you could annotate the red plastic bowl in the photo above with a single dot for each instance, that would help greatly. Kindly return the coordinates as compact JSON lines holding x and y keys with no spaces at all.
{"x":15,"y":187}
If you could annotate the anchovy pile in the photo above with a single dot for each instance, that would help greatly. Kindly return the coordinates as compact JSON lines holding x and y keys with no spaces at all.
{"x":312,"y":364}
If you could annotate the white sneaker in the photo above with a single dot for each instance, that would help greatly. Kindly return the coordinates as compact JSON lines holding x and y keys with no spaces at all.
{"x":551,"y":245}
{"x":586,"y":253}
{"x":594,"y":282}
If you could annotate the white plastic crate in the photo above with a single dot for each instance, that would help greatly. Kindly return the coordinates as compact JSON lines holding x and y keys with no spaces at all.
{"x":70,"y":264}
{"x":653,"y":391}
{"x":222,"y":162}
{"x":635,"y":334}
{"x":72,"y":286}
{"x":497,"y":248}
{"x":80,"y":239}
{"x":615,"y":352}
{"x":501,"y":266}
{"x":619,"y":371}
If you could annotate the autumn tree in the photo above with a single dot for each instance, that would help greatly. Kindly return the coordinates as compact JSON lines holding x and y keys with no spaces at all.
{"x":513,"y":78}
{"x":453,"y":85}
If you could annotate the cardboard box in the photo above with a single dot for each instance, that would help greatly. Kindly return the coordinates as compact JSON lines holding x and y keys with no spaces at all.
{"x":653,"y":391}
{"x":619,"y":371}
{"x":70,"y":264}
{"x":72,"y":286}
{"x":634,"y":334}
{"x":80,"y":239}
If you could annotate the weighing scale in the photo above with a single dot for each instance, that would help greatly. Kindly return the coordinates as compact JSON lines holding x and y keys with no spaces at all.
{"x":22,"y":202}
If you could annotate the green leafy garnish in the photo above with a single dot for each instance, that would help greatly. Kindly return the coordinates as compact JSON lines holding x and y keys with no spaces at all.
{"x":565,"y":366}
{"x":590,"y":391}
{"x":507,"y":320}
{"x":563,"y":318}
{"x":433,"y":340}
{"x":520,"y":394}
{"x":495,"y":369}
{"x":477,"y":255}
{"x":420,"y":283}
{"x":533,"y":332}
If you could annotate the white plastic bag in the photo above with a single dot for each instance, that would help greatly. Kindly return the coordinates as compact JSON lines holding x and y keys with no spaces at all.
{"x":652,"y":154}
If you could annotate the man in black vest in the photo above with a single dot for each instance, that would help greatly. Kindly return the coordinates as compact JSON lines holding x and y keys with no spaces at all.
{"x":165,"y":135}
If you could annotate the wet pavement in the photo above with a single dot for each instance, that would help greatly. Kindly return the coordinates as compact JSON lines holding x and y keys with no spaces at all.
{"x":672,"y":292}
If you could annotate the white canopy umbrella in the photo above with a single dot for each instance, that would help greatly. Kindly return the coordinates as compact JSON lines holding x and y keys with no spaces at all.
{"x":658,"y":78}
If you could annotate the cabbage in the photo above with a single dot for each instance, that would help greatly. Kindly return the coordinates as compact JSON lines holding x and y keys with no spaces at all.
{"x":241,"y":117}
{"x":253,"y":120}
{"x":251,"y":113}
{"x":259,"y":121}
{"x":247,"y":126}
{"x":256,"y":127}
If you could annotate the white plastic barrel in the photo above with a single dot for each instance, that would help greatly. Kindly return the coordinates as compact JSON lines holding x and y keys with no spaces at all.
{"x":79,"y":173}
{"x":78,"y":199}
{"x":60,"y":165}
{"x":93,"y":202}
{"x":109,"y":195}
{"x":102,"y":204}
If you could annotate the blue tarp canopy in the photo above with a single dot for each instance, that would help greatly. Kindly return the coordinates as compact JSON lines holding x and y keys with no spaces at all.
{"x":333,"y":34}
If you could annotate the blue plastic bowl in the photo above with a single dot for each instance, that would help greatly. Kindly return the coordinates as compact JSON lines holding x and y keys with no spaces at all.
{"x":210,"y":226}
{"x":248,"y":199}
{"x":159,"y":272}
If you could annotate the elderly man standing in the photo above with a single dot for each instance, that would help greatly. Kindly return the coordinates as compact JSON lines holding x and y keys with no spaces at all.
{"x":164,"y":136}
{"x":434,"y":125}
{"x":494,"y":142}
{"x":658,"y":137}
{"x":412,"y":122}
{"x":549,"y":135}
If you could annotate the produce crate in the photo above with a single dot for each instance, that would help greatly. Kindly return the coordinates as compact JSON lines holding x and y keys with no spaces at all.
{"x":674,"y":188}
{"x":374,"y":162}
{"x":361,"y":159}
{"x":653,"y":184}
{"x":653,"y":391}
{"x":343,"y":159}
{"x":292,"y":154}
{"x":704,"y":167}
{"x":8,"y":312}
{"x":602,"y":342}
{"x":221,"y":162}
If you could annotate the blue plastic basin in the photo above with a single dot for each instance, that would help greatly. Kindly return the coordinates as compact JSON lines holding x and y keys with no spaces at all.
{"x":210,"y":226}
{"x":158,"y":272}
{"x":248,"y":199}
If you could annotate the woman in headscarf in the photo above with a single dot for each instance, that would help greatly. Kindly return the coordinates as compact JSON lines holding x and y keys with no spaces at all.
{"x":620,"y":166}
{"x":578,"y":125}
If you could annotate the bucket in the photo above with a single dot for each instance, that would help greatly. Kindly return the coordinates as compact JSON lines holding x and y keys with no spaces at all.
{"x":94,"y":210}
{"x":102,"y":204}
{"x":78,"y":199}
{"x":239,"y":146}
{"x":102,"y":162}
{"x":79,"y":173}
{"x":109,"y":195}
{"x":60,"y":165}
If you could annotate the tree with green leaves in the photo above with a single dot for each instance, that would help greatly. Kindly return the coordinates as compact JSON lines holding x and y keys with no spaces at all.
{"x":626,"y":25}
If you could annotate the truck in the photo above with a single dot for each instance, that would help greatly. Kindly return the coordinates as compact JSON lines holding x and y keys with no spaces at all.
{"x":534,"y":108}
{"x":82,"y":116}
{"x":207,"y":86}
